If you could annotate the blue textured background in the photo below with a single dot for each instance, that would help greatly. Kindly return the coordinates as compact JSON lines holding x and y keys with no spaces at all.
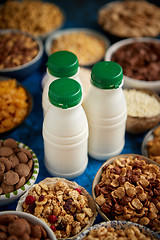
{"x":78,"y":14}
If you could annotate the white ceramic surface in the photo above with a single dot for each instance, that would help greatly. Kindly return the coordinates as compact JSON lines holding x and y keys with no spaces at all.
{"x":33,"y":220}
{"x":130,"y":82}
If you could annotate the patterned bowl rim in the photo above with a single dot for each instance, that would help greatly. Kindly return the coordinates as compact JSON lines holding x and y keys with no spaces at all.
{"x":120,"y":225}
{"x":32,"y":179}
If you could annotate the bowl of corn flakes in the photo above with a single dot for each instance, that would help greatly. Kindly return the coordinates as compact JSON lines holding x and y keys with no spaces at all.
{"x":20,"y":53}
{"x":118,"y":230}
{"x":87,"y":44}
{"x":126,"y":188}
{"x":15,"y":105}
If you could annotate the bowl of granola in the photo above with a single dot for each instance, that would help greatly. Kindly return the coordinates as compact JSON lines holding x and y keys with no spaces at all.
{"x":15,"y":105}
{"x":139,"y":57}
{"x":20,"y":53}
{"x":19,"y":170}
{"x":126,"y":188}
{"x":118,"y":230}
{"x":37,"y":18}
{"x":151,"y":144}
{"x":19,"y":225}
{"x":87,"y":44}
{"x":67,"y":208}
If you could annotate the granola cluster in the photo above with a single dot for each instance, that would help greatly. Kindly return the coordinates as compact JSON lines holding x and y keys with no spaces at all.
{"x":129,"y":189}
{"x":64,"y":209}
{"x":102,"y":233}
{"x":153,"y":146}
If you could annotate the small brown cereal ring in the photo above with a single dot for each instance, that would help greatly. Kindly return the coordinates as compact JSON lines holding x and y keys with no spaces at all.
{"x":3,"y":228}
{"x":21,"y":182}
{"x":14,"y":160}
{"x":10,"y":143}
{"x":17,"y":227}
{"x":3,"y":236}
{"x":7,"y":188}
{"x":29,"y":176}
{"x":36,"y":231}
{"x":1,"y":176}
{"x":6,"y":162}
{"x":11,"y":178}
{"x":7,"y":218}
{"x":22,"y":157}
{"x":43,"y":231}
{"x":26,"y":236}
{"x":30,"y":164}
{"x":2,"y":167}
{"x":22,"y":169}
{"x":12,"y":237}
{"x":6,"y":151}
{"x":27,"y":152}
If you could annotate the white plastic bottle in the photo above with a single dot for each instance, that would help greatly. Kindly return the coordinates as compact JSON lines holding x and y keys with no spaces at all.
{"x":59,"y":64}
{"x":106,"y":111}
{"x":65,"y":130}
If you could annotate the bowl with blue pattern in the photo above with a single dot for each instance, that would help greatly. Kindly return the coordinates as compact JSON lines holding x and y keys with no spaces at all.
{"x":118,"y":230}
{"x":19,"y":170}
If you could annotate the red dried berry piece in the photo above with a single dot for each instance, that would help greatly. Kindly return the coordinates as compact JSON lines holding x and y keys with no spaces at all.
{"x":52,"y":218}
{"x":78,"y":190}
{"x":41,"y":198}
{"x":30,"y":199}
{"x":53,"y":228}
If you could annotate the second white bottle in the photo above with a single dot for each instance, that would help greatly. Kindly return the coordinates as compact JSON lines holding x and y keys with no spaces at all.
{"x":65,"y":130}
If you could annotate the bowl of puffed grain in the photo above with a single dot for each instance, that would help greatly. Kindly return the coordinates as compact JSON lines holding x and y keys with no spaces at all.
{"x":37,"y":18}
{"x":143,"y":110}
{"x":20,"y":53}
{"x":88,"y":45}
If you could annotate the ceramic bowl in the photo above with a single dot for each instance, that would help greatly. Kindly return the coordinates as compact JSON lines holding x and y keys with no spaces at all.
{"x":8,"y":198}
{"x":87,"y":31}
{"x":29,"y":109}
{"x":137,"y":124}
{"x":52,"y":181}
{"x":131,"y":82}
{"x":23,"y":71}
{"x":32,"y":219}
{"x":98,"y":175}
{"x":119,"y":225}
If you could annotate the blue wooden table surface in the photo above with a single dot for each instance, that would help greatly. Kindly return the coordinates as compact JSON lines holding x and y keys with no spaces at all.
{"x":78,"y":14}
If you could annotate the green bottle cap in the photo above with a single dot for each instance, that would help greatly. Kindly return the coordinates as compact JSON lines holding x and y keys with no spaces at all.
{"x":65,"y":93}
{"x":106,"y":75}
{"x":62,"y":64}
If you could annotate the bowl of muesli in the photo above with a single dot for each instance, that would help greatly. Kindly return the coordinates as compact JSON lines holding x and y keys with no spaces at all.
{"x":118,"y":230}
{"x":67,"y":208}
{"x":127,"y":188}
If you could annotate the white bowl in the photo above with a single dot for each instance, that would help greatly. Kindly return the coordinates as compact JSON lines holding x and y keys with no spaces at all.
{"x":22,"y":71}
{"x":8,"y":198}
{"x":117,"y":225}
{"x":131,"y":82}
{"x":57,"y":34}
{"x":33,"y":220}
